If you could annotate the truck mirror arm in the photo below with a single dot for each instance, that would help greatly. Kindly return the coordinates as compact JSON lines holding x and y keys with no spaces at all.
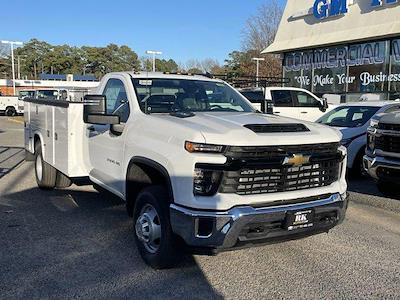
{"x":117,"y":129}
{"x":324,"y":105}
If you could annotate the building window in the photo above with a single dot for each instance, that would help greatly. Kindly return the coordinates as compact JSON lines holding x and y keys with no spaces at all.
{"x":394,"y":77}
{"x":368,"y":66}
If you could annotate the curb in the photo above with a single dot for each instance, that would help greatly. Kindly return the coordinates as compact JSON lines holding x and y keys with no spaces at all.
{"x":392,"y":205}
{"x":15,"y":120}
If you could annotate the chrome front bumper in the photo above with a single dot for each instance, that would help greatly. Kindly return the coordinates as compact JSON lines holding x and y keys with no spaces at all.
{"x":245,"y":225}
{"x":372,"y":166}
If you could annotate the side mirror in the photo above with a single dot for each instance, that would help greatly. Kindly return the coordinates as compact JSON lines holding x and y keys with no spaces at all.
{"x":324,"y":105}
{"x":94,"y":111}
{"x":267,"y":107}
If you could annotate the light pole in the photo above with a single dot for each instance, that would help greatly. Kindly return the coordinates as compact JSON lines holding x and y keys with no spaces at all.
{"x":12,"y":43}
{"x":258,"y":59}
{"x":154,"y":53}
{"x":19,"y":65}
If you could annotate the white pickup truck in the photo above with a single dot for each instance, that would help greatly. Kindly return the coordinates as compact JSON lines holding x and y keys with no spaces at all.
{"x":198,"y":167}
{"x":11,"y":105}
{"x":289,"y":102}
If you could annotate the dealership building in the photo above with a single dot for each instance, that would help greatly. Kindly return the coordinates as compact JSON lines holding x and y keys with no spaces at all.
{"x":349,"y":48}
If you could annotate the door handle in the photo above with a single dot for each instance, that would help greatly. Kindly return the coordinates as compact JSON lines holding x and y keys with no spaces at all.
{"x":277,"y":112}
{"x":304,"y":112}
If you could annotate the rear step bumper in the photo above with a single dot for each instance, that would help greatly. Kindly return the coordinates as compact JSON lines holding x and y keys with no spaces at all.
{"x":246,"y":226}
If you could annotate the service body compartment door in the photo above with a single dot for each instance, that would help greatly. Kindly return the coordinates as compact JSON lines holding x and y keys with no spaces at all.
{"x":49,"y":134}
{"x":62,"y":157}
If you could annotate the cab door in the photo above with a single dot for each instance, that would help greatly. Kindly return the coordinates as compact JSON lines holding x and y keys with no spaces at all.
{"x":106,"y":146}
{"x":307,"y":106}
{"x":283,"y":103}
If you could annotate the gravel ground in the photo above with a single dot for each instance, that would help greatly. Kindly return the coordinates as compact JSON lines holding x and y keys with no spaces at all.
{"x":77,"y":243}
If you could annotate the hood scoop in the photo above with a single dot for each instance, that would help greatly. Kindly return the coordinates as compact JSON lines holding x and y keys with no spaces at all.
{"x":276,"y":128}
{"x":182,"y":114}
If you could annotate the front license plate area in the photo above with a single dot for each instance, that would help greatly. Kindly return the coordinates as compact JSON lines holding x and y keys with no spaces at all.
{"x":299,"y":219}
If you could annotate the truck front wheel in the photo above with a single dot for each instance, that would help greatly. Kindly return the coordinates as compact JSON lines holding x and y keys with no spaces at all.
{"x":10,"y":111}
{"x":155,"y":240}
{"x":45,"y":173}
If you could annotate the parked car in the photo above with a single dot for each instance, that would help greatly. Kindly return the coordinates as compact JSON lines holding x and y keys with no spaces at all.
{"x":382,"y":159}
{"x":289,"y":102}
{"x":11,"y":106}
{"x":352,"y":119}
{"x":196,"y":164}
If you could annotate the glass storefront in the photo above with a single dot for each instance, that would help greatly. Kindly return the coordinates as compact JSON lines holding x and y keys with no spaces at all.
{"x":394,"y":85}
{"x":351,"y":70}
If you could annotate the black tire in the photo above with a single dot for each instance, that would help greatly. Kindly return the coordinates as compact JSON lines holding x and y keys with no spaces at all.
{"x":45,"y":174}
{"x":358,"y":166}
{"x":167,"y":253}
{"x":10,"y":111}
{"x":62,"y":181}
{"x":388,"y":189}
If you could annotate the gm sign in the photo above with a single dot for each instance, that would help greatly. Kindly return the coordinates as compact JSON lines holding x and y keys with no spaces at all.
{"x":323,"y":9}
{"x":330,"y":8}
{"x":381,"y":2}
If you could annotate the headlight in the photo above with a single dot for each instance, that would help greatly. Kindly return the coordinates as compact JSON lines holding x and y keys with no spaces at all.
{"x":206,"y":182}
{"x":205,"y":148}
{"x":374,"y":123}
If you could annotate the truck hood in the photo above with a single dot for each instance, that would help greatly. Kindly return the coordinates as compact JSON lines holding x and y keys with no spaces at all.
{"x":352,"y":132}
{"x":228,"y":129}
{"x":390,"y":118}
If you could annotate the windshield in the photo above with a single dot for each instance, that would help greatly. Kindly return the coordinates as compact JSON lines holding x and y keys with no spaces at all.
{"x":348,"y":116}
{"x":47,"y":94}
{"x":171,"y":95}
{"x":26,"y":94}
{"x":253,"y":95}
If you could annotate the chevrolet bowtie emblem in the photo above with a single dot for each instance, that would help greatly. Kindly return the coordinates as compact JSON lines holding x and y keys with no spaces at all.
{"x":296,"y":160}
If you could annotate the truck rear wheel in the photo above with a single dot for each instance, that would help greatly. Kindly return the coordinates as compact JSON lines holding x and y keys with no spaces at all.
{"x":62,"y":181}
{"x":155,"y":240}
{"x":45,"y":173}
{"x":10,"y":111}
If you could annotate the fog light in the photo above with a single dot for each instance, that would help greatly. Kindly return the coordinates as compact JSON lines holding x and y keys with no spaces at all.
{"x":206,"y":182}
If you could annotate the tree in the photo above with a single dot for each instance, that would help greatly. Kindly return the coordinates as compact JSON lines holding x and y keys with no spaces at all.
{"x":259,"y":33}
{"x":33,"y":54}
{"x":240,"y":63}
{"x":40,"y":57}
{"x":207,"y":65}
{"x":162,"y":65}
{"x":261,"y":28}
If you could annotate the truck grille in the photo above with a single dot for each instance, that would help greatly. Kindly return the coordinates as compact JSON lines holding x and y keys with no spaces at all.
{"x":263,"y":171}
{"x":269,"y":152}
{"x":385,"y":126}
{"x":388,"y":143}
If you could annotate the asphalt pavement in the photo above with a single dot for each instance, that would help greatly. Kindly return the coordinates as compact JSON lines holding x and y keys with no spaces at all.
{"x":78,"y":243}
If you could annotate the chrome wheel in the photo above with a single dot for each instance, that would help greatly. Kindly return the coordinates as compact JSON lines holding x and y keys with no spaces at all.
{"x":39,"y":167}
{"x":148,"y":228}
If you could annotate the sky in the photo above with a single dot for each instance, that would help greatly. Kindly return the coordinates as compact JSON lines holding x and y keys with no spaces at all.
{"x":182,"y":30}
